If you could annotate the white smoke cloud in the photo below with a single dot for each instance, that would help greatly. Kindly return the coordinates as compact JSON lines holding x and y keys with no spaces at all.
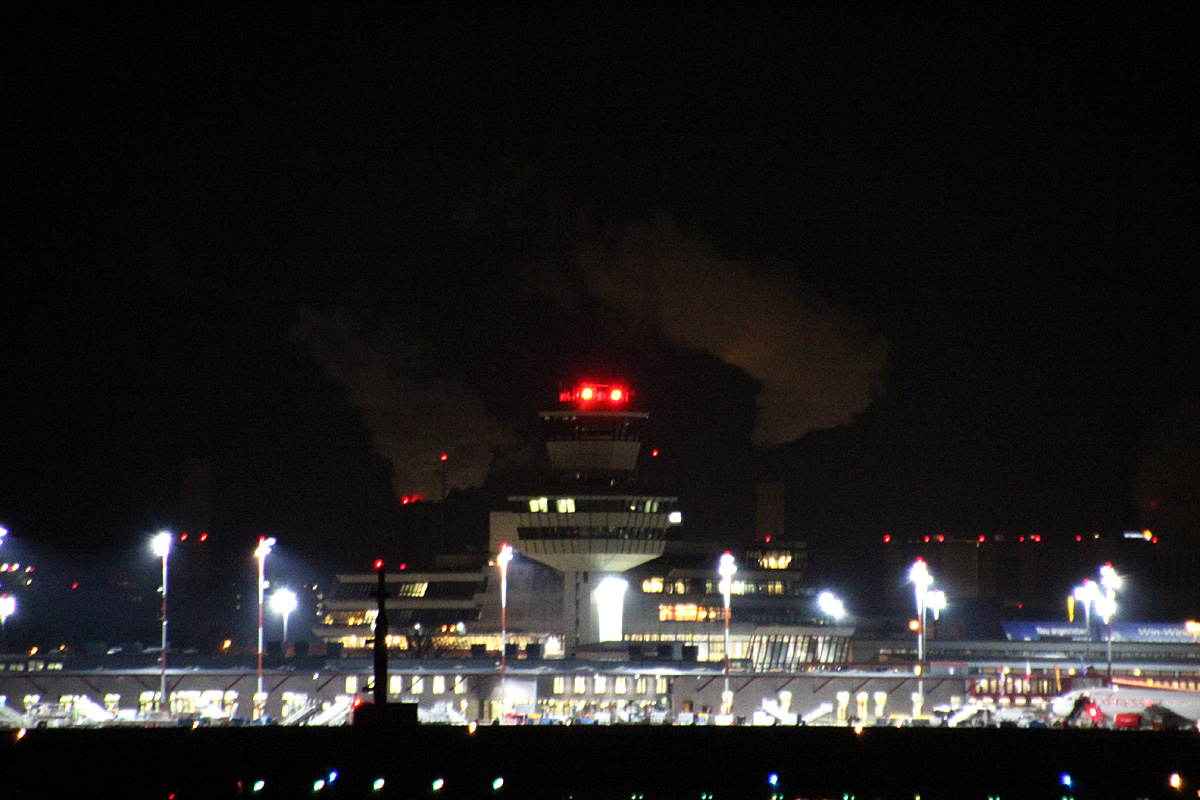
{"x":412,"y":416}
{"x":818,"y":364}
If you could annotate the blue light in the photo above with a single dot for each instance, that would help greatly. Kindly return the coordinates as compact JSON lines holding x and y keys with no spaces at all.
{"x":332,"y":775}
{"x":1065,"y":779}
{"x":773,"y":779}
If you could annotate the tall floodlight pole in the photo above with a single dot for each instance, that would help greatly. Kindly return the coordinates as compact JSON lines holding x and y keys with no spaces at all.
{"x":726,"y":568}
{"x":162,"y":549}
{"x":502,"y":559}
{"x":1107,"y":605}
{"x":8,"y":607}
{"x":919,"y":575}
{"x":1087,"y":594}
{"x":264,"y":549}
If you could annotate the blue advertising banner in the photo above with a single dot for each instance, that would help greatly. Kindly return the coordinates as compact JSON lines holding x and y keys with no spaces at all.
{"x":1121,"y":631}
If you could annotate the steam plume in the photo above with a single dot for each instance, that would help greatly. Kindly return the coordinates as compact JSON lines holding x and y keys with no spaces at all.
{"x":818,"y":364}
{"x":413,"y":416}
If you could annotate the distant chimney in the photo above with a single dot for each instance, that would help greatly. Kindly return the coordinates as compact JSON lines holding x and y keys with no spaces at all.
{"x":768,"y":523}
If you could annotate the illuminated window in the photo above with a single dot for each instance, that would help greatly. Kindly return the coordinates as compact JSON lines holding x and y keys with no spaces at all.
{"x":689,"y":612}
{"x":351,"y":684}
{"x":439,"y":684}
{"x":660,"y":685}
{"x":652,"y":585}
{"x":775,"y":559}
{"x":418,"y":684}
{"x":538,"y":504}
{"x":396,"y":684}
{"x":639,"y":684}
{"x":680,"y":587}
{"x":112,"y":702}
{"x":460,"y":684}
{"x":565,"y":505}
{"x":560,"y":684}
{"x":620,"y":684}
{"x":580,"y":684}
{"x":601,"y":684}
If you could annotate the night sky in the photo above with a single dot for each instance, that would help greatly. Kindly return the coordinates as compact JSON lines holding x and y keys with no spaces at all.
{"x":933,"y":269}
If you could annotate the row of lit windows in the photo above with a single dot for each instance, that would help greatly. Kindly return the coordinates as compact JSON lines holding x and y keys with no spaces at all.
{"x":620,"y":684}
{"x":566,"y":505}
{"x":358,"y":591}
{"x":659,"y":585}
{"x":690,"y":612}
{"x":416,"y":684}
{"x":775,"y":559}
{"x":33,"y":665}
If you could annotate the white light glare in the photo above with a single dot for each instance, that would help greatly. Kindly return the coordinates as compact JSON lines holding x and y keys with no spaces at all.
{"x":919,"y":574}
{"x":1109,"y":577}
{"x":936,"y":601}
{"x":284,"y":602}
{"x":264,"y":547}
{"x":162,"y":544}
{"x":830,"y":604}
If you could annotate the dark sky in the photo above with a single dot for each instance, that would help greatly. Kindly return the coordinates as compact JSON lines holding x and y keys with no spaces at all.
{"x":931,"y":268}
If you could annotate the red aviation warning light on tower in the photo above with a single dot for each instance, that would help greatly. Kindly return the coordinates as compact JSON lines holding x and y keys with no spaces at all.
{"x":592,"y":395}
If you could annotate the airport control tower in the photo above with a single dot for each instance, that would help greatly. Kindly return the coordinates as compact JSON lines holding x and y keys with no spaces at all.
{"x":591,"y":519}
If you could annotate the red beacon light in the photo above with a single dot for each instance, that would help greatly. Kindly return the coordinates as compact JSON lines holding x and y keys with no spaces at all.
{"x":595,"y":393}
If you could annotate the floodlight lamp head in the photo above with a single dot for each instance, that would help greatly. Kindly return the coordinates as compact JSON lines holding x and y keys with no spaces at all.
{"x":264,"y":547}
{"x":919,"y":574}
{"x":162,"y":544}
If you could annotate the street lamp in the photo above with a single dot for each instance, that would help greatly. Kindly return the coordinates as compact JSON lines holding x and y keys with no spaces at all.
{"x":162,"y":548}
{"x":1087,"y":594}
{"x":283,"y":602}
{"x":505,"y":555}
{"x":264,"y":549}
{"x":8,"y":607}
{"x":726,"y":568}
{"x":922,"y":580}
{"x":1106,"y":605}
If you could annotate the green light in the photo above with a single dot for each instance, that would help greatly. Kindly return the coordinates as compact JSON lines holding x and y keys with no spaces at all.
{"x":258,"y":786}
{"x":496,"y":784}
{"x":438,"y":783}
{"x":318,"y":784}
{"x":378,"y":784}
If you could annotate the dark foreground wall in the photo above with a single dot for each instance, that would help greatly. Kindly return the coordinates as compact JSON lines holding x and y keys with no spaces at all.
{"x":591,"y":762}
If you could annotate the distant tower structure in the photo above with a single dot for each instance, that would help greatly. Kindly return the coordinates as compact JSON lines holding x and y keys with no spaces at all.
{"x":768,"y":518}
{"x":195,"y":497}
{"x":194,"y":617}
{"x":591,"y":518}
